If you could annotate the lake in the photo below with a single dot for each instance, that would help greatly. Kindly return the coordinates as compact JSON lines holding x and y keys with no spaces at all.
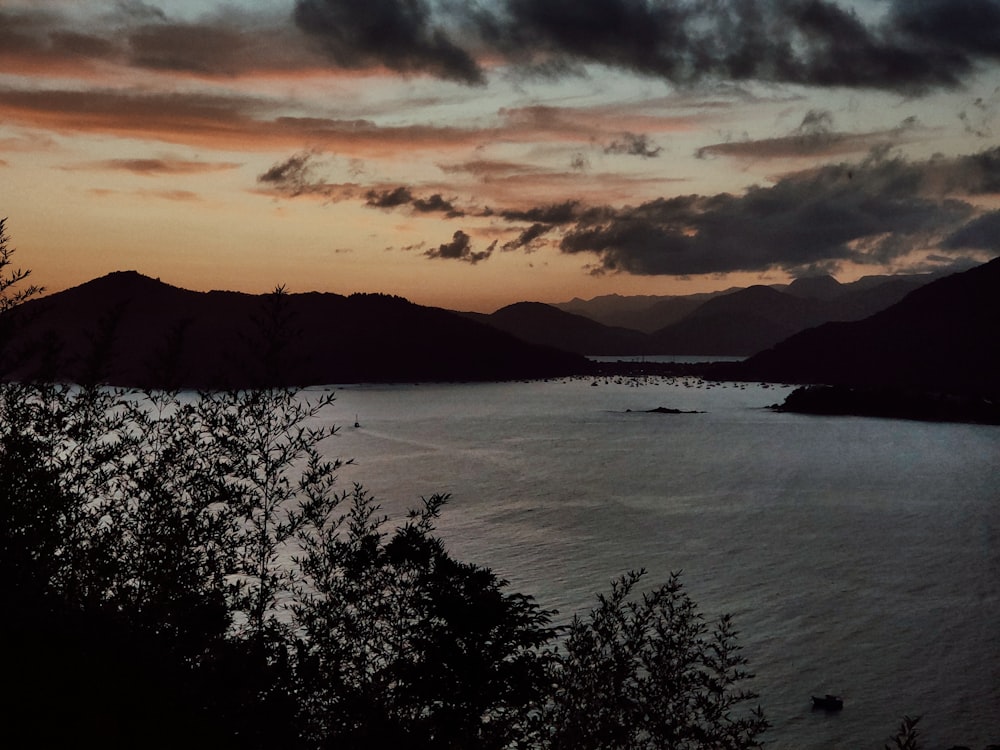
{"x":858,"y":556}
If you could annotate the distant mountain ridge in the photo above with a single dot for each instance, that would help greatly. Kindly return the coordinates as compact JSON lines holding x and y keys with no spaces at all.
{"x":129,"y":329}
{"x":737,"y":322}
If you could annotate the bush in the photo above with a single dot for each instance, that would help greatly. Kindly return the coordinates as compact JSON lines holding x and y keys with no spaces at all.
{"x":649,"y":672}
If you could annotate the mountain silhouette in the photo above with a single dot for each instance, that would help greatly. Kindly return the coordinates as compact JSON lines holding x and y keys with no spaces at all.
{"x":943,"y":336}
{"x":539,"y":323}
{"x":128,"y":329}
{"x":646,"y":313}
{"x":738,"y":322}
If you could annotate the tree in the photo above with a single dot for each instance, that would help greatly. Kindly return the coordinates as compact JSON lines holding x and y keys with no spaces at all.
{"x":13,"y":291}
{"x":404,"y":646}
{"x":649,"y":672}
{"x":10,"y":277}
{"x":906,"y":736}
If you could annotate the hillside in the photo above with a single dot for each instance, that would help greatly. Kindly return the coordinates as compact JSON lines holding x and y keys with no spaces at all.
{"x":645,"y":313}
{"x":737,"y":322}
{"x":546,"y":325}
{"x":740,"y":323}
{"x":128,"y":329}
{"x":943,"y":336}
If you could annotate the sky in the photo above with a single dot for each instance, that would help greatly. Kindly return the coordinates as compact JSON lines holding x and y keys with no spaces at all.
{"x":469,"y":155}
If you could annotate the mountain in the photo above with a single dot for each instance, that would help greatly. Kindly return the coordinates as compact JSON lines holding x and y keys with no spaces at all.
{"x":646,"y":313}
{"x":943,"y":336}
{"x":546,"y":325}
{"x":739,"y":323}
{"x":815,"y":287}
{"x":128,"y":329}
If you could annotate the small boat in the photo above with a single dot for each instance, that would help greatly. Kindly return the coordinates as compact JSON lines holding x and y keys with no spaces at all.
{"x":828,"y":702}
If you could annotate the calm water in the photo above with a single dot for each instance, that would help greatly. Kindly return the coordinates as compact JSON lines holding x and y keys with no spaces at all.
{"x":858,"y":556}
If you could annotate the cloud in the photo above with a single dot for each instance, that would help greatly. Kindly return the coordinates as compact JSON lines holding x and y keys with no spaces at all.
{"x":555,"y":213}
{"x":170,"y":195}
{"x":293,"y":176}
{"x":814,"y":136}
{"x":298,"y":176}
{"x":916,"y":46}
{"x":528,"y":236}
{"x":399,"y":34}
{"x":399,"y":196}
{"x":403,"y":196}
{"x":460,"y":248}
{"x":874,"y":211}
{"x":965,"y":28}
{"x":227,"y":44}
{"x":189,"y":47}
{"x":810,"y":42}
{"x":159,"y":166}
{"x":436,"y":204}
{"x":633,"y":144}
{"x":229,"y":121}
{"x":982,"y":233}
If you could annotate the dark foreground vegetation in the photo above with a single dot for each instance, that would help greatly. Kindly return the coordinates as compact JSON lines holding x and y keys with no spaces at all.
{"x":185,"y":571}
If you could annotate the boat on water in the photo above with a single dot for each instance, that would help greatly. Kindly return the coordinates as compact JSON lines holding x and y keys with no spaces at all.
{"x":828,"y":702}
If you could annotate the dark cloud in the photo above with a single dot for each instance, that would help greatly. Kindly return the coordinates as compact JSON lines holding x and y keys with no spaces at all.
{"x":226,"y":44}
{"x":916,"y":46}
{"x":811,"y":42}
{"x":39,"y":38}
{"x":403,"y":196}
{"x":400,"y":196}
{"x":525,"y":239}
{"x":74,"y":44}
{"x":189,"y":47}
{"x":964,"y":27}
{"x":555,"y":213}
{"x":920,"y":44}
{"x":294,"y":176}
{"x":633,"y":144}
{"x":982,"y":233}
{"x":400,"y":34}
{"x":814,"y":136}
{"x":579,"y":162}
{"x":460,"y":248}
{"x":874,"y":211}
{"x":436,"y":204}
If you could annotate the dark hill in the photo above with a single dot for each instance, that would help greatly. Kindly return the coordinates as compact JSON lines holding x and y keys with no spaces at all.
{"x":644,"y":313}
{"x":815,"y":287}
{"x":128,"y":329}
{"x":743,"y":322}
{"x":546,"y":325}
{"x":944,"y":336}
{"x":737,"y":322}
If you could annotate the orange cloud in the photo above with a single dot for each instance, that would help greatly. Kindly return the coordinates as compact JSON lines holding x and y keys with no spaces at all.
{"x":157,"y":166}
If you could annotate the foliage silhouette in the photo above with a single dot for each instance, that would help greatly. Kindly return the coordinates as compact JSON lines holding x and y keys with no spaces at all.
{"x":181,"y":568}
{"x":649,"y":672}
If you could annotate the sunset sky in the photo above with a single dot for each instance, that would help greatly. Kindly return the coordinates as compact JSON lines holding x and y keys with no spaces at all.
{"x":473,"y":154}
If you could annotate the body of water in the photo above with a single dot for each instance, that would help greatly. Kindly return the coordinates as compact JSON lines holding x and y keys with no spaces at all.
{"x":858,"y":556}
